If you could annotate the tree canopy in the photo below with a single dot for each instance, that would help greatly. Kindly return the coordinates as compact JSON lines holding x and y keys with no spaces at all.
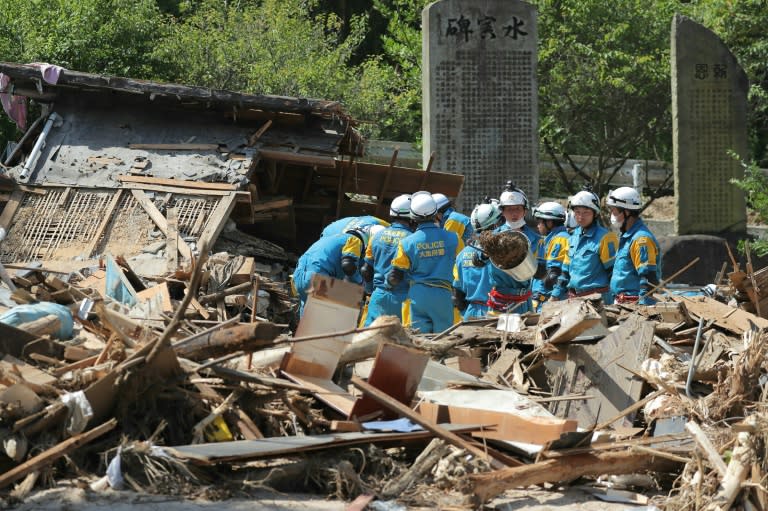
{"x":604,"y":86}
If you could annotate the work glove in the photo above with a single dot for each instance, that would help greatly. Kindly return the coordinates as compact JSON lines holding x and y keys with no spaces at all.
{"x":349,"y":266}
{"x":479,"y":259}
{"x":459,"y":299}
{"x":366,"y":270}
{"x":395,"y":277}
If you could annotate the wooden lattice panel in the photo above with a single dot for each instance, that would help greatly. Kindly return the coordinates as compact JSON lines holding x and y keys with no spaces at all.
{"x":68,"y":223}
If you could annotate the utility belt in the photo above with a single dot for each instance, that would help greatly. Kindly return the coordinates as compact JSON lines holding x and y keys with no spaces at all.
{"x":626,"y":298}
{"x":440,"y":284}
{"x":500,"y":301}
{"x":577,"y":293}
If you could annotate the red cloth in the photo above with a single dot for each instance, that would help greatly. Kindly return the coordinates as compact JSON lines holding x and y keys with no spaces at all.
{"x":500,"y":301}
{"x":625,"y":298}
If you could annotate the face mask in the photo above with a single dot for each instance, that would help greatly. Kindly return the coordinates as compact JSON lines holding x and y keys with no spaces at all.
{"x":615,"y":222}
{"x":516,"y":225}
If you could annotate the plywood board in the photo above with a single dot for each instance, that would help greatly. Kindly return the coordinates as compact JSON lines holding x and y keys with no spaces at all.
{"x":732,"y":319}
{"x":159,"y":296}
{"x":397,"y":371}
{"x":332,"y":306}
{"x":500,"y":425}
{"x":244,"y":450}
{"x":604,"y":370}
{"x":327,"y":391}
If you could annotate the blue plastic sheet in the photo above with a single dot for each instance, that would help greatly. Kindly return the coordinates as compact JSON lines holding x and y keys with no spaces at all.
{"x":402,"y":425}
{"x":32,"y":311}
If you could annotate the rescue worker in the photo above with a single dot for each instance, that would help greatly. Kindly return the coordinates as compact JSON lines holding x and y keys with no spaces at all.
{"x":452,"y":220}
{"x":591,"y":253}
{"x":336,"y":256}
{"x":472,"y":272}
{"x":570,"y":222}
{"x":507,"y":293}
{"x":387,"y":300}
{"x":550,"y":219}
{"x":351,"y":222}
{"x":638,"y":261}
{"x":425,"y":259}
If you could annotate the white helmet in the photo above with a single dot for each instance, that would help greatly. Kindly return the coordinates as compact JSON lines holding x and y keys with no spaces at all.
{"x":373,"y":229}
{"x":514,"y":197}
{"x":570,"y":221}
{"x":365,"y":233}
{"x":549,"y":211}
{"x":586,"y":199}
{"x":423,"y":206}
{"x":400,"y":207}
{"x":441,"y":200}
{"x":625,"y":197}
{"x":485,"y":216}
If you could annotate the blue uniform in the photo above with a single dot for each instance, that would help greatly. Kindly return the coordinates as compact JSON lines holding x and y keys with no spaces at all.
{"x":382,"y":248}
{"x":473,"y":281}
{"x":552,"y":253}
{"x":588,"y":266}
{"x":351,"y":222}
{"x":427,"y":257}
{"x":506,"y":290}
{"x":324,"y":258}
{"x":638,"y":262}
{"x":460,"y":224}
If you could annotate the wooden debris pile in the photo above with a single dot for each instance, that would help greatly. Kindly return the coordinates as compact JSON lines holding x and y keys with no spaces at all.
{"x":163,"y":399}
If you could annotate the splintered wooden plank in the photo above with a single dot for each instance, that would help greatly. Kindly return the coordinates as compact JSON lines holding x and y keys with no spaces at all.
{"x":732,"y":319}
{"x":605,"y":370}
{"x":564,"y":321}
{"x":161,"y":222}
{"x":488,"y":485}
{"x":175,"y":147}
{"x":369,"y":178}
{"x":10,"y":208}
{"x":104,"y":222}
{"x":502,"y":425}
{"x":404,"y":411}
{"x":47,"y":457}
{"x":217,"y":220}
{"x":397,"y":370}
{"x":172,"y":240}
{"x":28,"y":373}
{"x":327,"y":391}
{"x":244,"y":450}
{"x":177,"y":183}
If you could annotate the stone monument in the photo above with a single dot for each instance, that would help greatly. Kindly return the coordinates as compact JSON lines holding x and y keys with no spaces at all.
{"x":480,"y":98}
{"x":709,"y":119}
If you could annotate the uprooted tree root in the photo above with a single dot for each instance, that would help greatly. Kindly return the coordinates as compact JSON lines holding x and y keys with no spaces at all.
{"x":506,"y":249}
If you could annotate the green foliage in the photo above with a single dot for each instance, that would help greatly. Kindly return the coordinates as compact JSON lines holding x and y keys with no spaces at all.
{"x":401,"y":44}
{"x":755,"y":186}
{"x":97,"y":36}
{"x":604,"y":87}
{"x":275,"y":47}
{"x":741,"y":24}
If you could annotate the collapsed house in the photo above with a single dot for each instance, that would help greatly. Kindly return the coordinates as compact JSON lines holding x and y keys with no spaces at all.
{"x":110,"y":159}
